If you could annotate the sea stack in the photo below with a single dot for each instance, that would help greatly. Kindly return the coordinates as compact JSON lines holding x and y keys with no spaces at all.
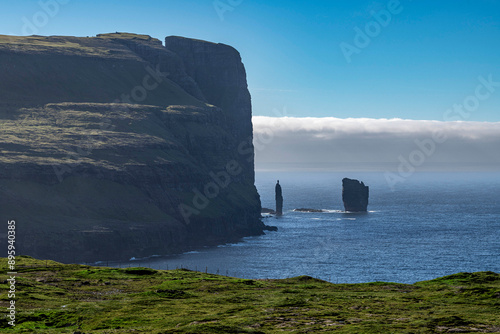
{"x":354,"y":195}
{"x":279,"y":199}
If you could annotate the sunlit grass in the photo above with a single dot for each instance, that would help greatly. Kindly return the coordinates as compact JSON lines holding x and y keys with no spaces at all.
{"x":55,"y":298}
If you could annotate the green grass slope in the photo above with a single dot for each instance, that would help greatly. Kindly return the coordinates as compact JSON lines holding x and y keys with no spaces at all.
{"x":56,"y":298}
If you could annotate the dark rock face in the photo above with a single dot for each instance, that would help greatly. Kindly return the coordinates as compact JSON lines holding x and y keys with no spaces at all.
{"x":355,"y":195}
{"x":95,"y":170}
{"x":228,"y":89}
{"x":279,"y":199}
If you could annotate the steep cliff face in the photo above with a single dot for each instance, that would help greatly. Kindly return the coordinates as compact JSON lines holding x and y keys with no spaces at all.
{"x":115,"y":146}
{"x":228,"y":89}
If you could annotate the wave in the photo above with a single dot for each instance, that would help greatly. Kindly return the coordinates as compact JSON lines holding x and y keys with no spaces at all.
{"x":133,"y":258}
{"x":242,"y":243}
{"x":192,"y":252}
{"x":332,"y":211}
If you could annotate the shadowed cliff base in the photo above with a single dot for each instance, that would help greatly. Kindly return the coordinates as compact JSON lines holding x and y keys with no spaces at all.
{"x":106,"y":142}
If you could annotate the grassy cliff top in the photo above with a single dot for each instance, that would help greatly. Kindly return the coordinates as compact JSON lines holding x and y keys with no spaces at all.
{"x":56,"y":298}
{"x":126,"y":35}
{"x":103,"y":45}
{"x":36,"y":70}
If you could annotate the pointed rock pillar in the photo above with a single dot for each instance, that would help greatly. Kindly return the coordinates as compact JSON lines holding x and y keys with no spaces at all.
{"x":279,"y":199}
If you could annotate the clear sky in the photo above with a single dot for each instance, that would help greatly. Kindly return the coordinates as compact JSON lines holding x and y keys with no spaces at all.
{"x":420,"y":60}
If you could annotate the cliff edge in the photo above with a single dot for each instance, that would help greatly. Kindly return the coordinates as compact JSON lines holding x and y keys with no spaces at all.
{"x":117,"y":146}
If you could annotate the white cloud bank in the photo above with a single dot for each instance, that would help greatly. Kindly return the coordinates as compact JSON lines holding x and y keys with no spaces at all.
{"x":375,"y":144}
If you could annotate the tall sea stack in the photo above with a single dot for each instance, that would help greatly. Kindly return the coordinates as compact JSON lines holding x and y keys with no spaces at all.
{"x":279,"y":199}
{"x":355,"y":195}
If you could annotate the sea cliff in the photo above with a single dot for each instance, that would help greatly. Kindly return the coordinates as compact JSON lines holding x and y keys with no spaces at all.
{"x":117,"y":146}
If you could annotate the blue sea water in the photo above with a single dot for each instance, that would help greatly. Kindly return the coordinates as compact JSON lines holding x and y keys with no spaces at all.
{"x":430,"y":225}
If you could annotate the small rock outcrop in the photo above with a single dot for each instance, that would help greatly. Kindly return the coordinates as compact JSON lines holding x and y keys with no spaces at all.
{"x":268,"y":211}
{"x":308,"y":210}
{"x":279,"y":199}
{"x":354,"y":195}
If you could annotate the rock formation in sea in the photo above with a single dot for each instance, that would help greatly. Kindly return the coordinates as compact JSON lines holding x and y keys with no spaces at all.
{"x":116,"y":146}
{"x":279,"y":199}
{"x":355,"y":195}
{"x":309,"y":210}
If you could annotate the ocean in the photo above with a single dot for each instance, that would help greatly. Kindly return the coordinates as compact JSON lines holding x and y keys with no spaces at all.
{"x":426,"y":226}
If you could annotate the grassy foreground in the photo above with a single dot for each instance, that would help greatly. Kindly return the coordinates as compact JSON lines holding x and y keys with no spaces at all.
{"x":56,"y":298}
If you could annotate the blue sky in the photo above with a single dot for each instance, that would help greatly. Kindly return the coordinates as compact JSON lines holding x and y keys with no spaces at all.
{"x":425,"y":60}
